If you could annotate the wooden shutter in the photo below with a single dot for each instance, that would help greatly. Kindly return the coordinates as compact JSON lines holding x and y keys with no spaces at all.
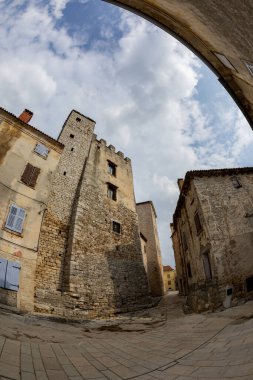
{"x":3,"y":266}
{"x":19,"y":220}
{"x":34,"y":176}
{"x":15,"y":219}
{"x":26,"y":176}
{"x":12,"y":276}
{"x":11,"y":217}
{"x":30,"y":175}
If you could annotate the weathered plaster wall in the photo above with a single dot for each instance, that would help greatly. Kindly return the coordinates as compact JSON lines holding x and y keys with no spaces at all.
{"x":17,"y":143}
{"x":148,"y":226}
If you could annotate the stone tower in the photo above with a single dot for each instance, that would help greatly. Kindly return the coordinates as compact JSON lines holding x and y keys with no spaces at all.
{"x":90,"y":261}
{"x":76,"y":135}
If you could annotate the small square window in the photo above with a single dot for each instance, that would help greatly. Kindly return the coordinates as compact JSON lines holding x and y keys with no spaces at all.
{"x":116,"y":227}
{"x":78,"y":119}
{"x":189,"y":270}
{"x":15,"y":219}
{"x":42,"y":150}
{"x":112,"y":191}
{"x":71,"y":136}
{"x":197,"y":223}
{"x":112,"y":168}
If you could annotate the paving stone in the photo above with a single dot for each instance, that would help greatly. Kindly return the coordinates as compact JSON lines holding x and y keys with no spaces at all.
{"x":56,"y":374}
{"x":9,"y":371}
{"x":41,"y":375}
{"x":27,"y":376}
{"x":51,"y":363}
{"x":70,"y":370}
{"x":110,"y":375}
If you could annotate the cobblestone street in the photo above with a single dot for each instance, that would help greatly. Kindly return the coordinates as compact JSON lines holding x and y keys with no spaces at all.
{"x":159,"y":343}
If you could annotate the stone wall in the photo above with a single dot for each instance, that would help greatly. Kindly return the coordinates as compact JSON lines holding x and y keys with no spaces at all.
{"x":104,"y":268}
{"x":76,"y":136}
{"x":225,"y":239}
{"x":85,"y":269}
{"x":147,"y":223}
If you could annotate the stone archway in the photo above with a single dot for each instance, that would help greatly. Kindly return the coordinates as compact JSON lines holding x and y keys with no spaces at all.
{"x":218,"y":32}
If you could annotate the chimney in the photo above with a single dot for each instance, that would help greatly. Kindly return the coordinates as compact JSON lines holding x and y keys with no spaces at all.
{"x":26,"y":116}
{"x":180,"y":183}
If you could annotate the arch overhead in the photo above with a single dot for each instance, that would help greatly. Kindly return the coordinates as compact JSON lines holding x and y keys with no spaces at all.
{"x":219,"y":32}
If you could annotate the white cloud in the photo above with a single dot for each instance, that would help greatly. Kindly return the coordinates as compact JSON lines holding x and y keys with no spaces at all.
{"x":58,"y":7}
{"x":141,"y":93}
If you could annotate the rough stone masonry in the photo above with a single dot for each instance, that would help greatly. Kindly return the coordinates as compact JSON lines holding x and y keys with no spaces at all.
{"x":93,"y":264}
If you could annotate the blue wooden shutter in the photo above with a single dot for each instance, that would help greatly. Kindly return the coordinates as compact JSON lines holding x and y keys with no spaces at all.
{"x":3,"y":266}
{"x":15,"y":219}
{"x":19,"y":220}
{"x":11,"y":217}
{"x":12,"y":276}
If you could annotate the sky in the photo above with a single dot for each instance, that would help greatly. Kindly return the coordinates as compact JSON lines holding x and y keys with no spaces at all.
{"x":150,"y":96}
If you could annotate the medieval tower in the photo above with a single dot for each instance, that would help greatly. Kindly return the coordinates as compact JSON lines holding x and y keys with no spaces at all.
{"x":89,"y":260}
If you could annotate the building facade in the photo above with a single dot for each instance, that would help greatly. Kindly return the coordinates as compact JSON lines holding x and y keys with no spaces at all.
{"x":69,"y":243}
{"x":169,"y":278}
{"x":151,"y":248}
{"x":212,"y":237}
{"x":94,"y":266}
{"x":28,"y":158}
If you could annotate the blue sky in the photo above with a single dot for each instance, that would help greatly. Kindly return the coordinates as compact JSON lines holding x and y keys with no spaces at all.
{"x":151,"y":97}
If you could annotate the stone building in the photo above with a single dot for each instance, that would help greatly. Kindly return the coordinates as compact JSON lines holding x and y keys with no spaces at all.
{"x":213,"y":237}
{"x":169,"y":278}
{"x":93,"y":265}
{"x":28,"y":158}
{"x":151,"y":247}
{"x":69,"y":243}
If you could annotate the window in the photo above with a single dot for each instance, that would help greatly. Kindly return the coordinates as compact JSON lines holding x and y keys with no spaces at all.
{"x":112,"y":168}
{"x":71,"y":136}
{"x":249,"y":284}
{"x":30,"y":175}
{"x":42,"y":150}
{"x":9,"y":274}
{"x":15,"y":219}
{"x":236,"y":183}
{"x":169,"y":282}
{"x":168,"y":275}
{"x":249,"y":67}
{"x":207,"y":266}
{"x":189,"y":270}
{"x":116,"y":227}
{"x":78,"y":119}
{"x":197,"y":223}
{"x":112,"y":191}
{"x":184,"y":241}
